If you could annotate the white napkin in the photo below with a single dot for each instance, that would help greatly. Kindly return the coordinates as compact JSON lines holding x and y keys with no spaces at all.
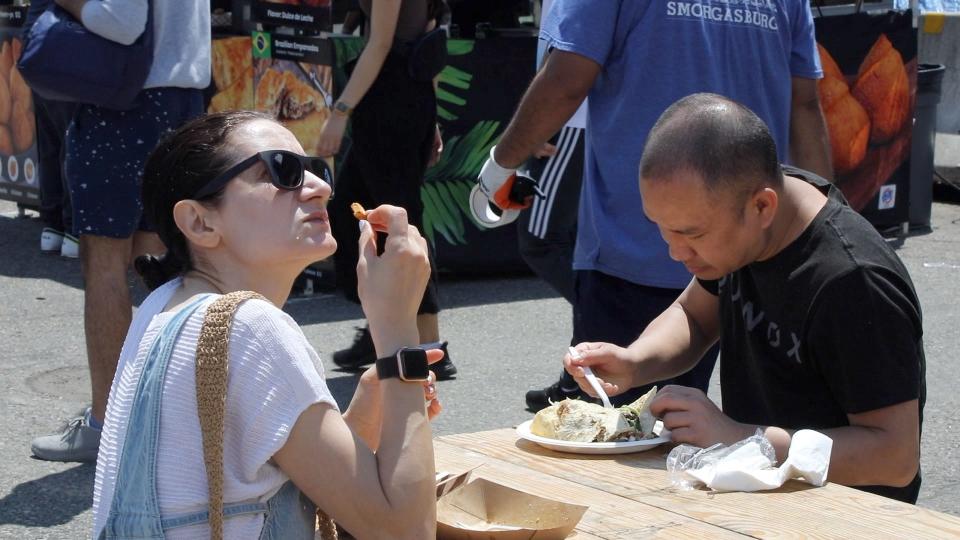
{"x":749,"y":464}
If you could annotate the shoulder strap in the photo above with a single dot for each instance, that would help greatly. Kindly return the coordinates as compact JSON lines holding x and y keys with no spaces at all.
{"x":211,"y":384}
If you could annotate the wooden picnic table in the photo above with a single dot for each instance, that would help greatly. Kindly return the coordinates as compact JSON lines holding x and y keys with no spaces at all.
{"x":630,"y":496}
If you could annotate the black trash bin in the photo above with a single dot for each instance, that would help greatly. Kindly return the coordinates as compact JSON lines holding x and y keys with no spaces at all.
{"x":929,"y":77}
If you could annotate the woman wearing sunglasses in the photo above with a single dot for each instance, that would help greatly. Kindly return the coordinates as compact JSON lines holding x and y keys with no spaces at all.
{"x":239,"y":208}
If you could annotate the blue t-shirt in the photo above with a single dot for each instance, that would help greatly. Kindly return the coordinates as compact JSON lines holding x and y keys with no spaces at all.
{"x":653,"y":53}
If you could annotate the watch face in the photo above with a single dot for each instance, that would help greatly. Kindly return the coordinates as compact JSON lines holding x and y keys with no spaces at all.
{"x":413,"y":364}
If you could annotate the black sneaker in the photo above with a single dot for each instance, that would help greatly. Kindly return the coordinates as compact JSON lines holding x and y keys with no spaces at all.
{"x":541,"y":399}
{"x":359,"y":354}
{"x":444,"y":369}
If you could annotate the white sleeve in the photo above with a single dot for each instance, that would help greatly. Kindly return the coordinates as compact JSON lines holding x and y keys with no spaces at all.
{"x":117,"y":20}
{"x":274,"y":375}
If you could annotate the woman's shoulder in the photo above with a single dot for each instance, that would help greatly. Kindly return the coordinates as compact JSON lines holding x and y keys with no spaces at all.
{"x":259,"y":314}
{"x":259,"y":322}
{"x":265,"y":340}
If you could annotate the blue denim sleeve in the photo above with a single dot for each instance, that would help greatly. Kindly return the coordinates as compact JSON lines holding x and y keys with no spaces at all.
{"x":804,"y":58}
{"x":587,"y":28}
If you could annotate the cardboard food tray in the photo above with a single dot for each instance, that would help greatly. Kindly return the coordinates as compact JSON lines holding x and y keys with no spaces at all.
{"x":483,"y":509}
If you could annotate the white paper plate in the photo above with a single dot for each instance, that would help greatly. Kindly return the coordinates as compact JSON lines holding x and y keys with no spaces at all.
{"x":625,"y":447}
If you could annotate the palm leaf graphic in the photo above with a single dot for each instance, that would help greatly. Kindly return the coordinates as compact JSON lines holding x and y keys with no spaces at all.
{"x":447,"y":185}
{"x":455,"y":78}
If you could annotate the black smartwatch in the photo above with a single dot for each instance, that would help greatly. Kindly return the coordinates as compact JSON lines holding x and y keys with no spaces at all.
{"x":409,"y":365}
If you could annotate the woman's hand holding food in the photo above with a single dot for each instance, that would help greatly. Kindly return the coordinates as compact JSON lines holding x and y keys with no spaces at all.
{"x":391,"y":285}
{"x":613,"y":366}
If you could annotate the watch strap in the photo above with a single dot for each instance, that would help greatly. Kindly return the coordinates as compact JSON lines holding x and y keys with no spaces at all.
{"x":342,"y":108}
{"x":388,"y":367}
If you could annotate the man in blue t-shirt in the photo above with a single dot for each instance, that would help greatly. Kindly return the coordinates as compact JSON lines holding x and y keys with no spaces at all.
{"x":633,"y":59}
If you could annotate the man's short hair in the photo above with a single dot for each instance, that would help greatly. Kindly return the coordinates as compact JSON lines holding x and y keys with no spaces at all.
{"x":724,"y":143}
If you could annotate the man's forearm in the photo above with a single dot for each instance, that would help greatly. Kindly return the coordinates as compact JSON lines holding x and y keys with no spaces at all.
{"x":809,"y":140}
{"x":670,"y":345}
{"x":364,"y":415}
{"x":886,"y":452}
{"x":552,"y":98}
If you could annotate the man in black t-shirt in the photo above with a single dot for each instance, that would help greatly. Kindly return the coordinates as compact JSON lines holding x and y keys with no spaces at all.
{"x":818,"y":321}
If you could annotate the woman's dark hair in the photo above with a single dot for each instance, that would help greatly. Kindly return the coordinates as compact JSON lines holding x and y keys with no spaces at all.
{"x":184,"y":161}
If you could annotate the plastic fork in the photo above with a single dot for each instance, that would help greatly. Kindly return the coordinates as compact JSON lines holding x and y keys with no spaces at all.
{"x":592,"y":379}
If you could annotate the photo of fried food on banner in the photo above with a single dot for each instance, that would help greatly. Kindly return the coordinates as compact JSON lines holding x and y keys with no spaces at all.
{"x":232,"y":70}
{"x":295,"y":93}
{"x":17,"y":123}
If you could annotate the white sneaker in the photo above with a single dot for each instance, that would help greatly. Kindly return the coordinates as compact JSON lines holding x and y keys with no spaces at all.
{"x":76,"y":442}
{"x":70,"y":247}
{"x":51,"y":240}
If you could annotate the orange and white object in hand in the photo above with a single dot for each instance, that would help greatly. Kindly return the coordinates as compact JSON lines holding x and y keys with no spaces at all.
{"x":503,"y":187}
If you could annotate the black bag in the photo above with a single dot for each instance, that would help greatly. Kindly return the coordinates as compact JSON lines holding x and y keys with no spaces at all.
{"x":64,"y":61}
{"x":427,"y":55}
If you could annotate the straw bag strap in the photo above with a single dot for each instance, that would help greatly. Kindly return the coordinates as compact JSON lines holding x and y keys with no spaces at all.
{"x":211,"y":375}
{"x":211,"y":378}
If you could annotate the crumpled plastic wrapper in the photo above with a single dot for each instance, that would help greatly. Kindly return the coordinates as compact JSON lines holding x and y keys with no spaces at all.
{"x":750,"y":465}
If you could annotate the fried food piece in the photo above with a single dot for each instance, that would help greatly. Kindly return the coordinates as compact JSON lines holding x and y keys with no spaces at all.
{"x":6,"y":59}
{"x":17,"y":47}
{"x":232,"y":57}
{"x":6,"y":102}
{"x":829,"y":65}
{"x":269,"y":96}
{"x":6,"y":141}
{"x":23,"y":125}
{"x":847,"y":121}
{"x":237,"y":96}
{"x":19,"y":91}
{"x":884,"y":90}
{"x":358,"y":211}
{"x":300,"y":99}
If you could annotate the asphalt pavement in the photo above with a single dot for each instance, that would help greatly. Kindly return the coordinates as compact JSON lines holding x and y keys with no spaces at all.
{"x":506,"y":336}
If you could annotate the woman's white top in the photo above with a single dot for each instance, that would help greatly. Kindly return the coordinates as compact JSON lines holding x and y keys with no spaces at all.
{"x":273,"y":376}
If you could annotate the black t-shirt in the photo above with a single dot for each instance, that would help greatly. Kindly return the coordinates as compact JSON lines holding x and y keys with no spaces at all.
{"x":829,"y":326}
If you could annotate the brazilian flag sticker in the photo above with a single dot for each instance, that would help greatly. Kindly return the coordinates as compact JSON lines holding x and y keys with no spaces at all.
{"x":261,"y":45}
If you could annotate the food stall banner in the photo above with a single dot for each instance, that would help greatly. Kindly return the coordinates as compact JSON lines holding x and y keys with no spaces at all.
{"x":868,"y":94}
{"x":294,"y":78}
{"x":477,"y":93}
{"x":286,"y":76}
{"x":312,"y":14}
{"x":19,"y":168}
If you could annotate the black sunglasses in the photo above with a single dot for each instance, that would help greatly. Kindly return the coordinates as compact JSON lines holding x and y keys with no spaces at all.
{"x":286,"y":171}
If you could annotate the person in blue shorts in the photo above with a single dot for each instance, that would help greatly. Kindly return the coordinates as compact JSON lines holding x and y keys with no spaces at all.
{"x":105,"y":152}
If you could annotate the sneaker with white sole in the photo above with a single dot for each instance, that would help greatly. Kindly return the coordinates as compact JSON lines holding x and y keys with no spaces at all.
{"x":70,"y":247}
{"x":76,"y":442}
{"x":51,"y":240}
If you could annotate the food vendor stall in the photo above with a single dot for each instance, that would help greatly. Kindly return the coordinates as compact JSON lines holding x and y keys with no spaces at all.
{"x":19,"y":167}
{"x":283,"y":56}
{"x":266,"y":56}
{"x":868,"y":95}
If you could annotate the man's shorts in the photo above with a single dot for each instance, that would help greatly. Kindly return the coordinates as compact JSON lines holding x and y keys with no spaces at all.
{"x":105,"y":153}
